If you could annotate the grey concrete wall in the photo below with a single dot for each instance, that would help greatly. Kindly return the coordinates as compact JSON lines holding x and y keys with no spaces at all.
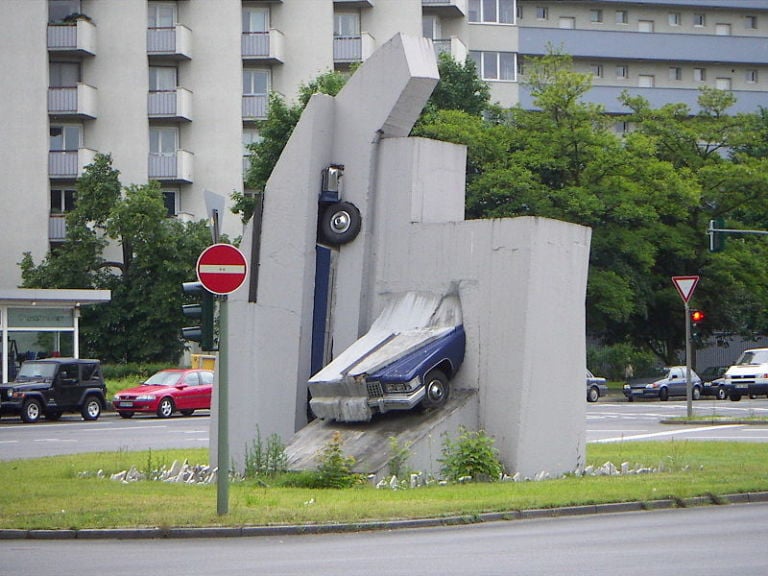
{"x":521,"y":281}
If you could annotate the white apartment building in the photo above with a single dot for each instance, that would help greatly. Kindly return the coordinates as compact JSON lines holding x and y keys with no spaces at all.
{"x":172,"y":88}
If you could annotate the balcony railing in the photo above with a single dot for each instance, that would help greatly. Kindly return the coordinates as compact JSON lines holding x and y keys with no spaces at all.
{"x":76,"y":38}
{"x":255,"y":106}
{"x":174,"y":41}
{"x":69,"y":164}
{"x":353,"y":3}
{"x":453,"y":46}
{"x":57,"y":227}
{"x":353,"y":48}
{"x":170,"y":104}
{"x":263,"y":46}
{"x":72,"y":101}
{"x":171,"y":167}
{"x":447,"y":8}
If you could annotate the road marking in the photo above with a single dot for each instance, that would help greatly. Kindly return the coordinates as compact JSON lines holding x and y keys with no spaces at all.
{"x":660,"y":434}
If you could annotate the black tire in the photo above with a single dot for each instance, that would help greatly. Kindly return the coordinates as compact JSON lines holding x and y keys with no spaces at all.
{"x":91,"y":408}
{"x":664,"y":394}
{"x":339,"y":224}
{"x":721,"y":393}
{"x":165,"y":408}
{"x":436,"y":388}
{"x":53,"y":415}
{"x":187,"y":412}
{"x":630,"y":398}
{"x":734,"y":397}
{"x":31,"y":411}
{"x":695,"y":393}
{"x":125,"y":414}
{"x":593,"y":394}
{"x":752,"y":396}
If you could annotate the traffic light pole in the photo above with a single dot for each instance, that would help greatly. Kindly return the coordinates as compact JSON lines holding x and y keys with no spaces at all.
{"x":222,"y":477}
{"x":688,"y":386}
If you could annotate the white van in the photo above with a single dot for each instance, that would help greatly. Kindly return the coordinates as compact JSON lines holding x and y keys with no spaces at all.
{"x":749,"y":375}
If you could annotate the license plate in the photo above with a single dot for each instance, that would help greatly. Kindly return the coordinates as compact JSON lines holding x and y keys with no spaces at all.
{"x":125,"y":404}
{"x":742,"y":386}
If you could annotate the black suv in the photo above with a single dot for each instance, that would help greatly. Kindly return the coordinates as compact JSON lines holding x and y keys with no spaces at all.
{"x":53,"y":386}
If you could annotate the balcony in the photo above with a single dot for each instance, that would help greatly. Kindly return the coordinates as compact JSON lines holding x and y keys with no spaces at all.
{"x":353,"y":4}
{"x":69,"y":164}
{"x":57,"y":227}
{"x":453,"y":46}
{"x":170,"y":105}
{"x":76,"y":39}
{"x":263,"y":46}
{"x":255,"y":107}
{"x":446,"y":8}
{"x":72,"y":102}
{"x":174,"y":42}
{"x":349,"y":49}
{"x":171,"y":168}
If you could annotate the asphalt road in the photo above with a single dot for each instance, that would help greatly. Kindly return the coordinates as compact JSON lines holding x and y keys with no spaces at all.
{"x":708,"y":541}
{"x":608,"y":420}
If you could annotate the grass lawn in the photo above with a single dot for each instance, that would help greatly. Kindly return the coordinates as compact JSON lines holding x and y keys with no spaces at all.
{"x":64,"y":492}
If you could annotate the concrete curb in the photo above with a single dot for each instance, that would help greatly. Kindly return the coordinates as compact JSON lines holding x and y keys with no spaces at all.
{"x":298,"y":529}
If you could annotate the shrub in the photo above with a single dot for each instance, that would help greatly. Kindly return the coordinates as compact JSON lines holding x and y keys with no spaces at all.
{"x":335,"y":469}
{"x":269,"y":460}
{"x":398,"y":457}
{"x":471,"y":455}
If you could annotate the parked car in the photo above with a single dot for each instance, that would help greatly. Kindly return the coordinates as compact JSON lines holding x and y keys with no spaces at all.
{"x":749,"y":375}
{"x":168,"y":391}
{"x":52,"y":386}
{"x":596,"y":387}
{"x":671,"y":383}
{"x":714,"y":382}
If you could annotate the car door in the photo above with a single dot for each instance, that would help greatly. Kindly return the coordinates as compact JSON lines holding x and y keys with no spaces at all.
{"x":186,"y":391}
{"x":66,"y":391}
{"x":205,"y":390}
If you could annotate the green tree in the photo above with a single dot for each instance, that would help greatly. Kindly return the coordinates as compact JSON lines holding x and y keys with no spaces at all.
{"x":142,"y":321}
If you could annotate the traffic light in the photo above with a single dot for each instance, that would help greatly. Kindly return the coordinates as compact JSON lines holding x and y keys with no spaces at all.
{"x":716,"y":239}
{"x":696,"y":317}
{"x":202,"y":312}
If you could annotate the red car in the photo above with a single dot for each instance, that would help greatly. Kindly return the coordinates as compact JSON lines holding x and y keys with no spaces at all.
{"x":166,"y":392}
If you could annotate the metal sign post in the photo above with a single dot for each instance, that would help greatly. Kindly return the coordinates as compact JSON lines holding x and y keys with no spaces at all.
{"x":685,"y":286}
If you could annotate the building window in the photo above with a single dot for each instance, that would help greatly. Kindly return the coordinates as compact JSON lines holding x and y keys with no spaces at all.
{"x":699,"y":74}
{"x":646,"y":81}
{"x":519,"y":12}
{"x":494,"y":11}
{"x":722,"y":29}
{"x":62,"y":201}
{"x":596,"y":16}
{"x":596,"y":70}
{"x":723,"y":83}
{"x":161,"y":15}
{"x":750,"y":76}
{"x":255,"y":82}
{"x":63,"y":74}
{"x":255,"y":19}
{"x":645,"y":26}
{"x":699,"y":20}
{"x":171,"y":202}
{"x":495,"y":65}
{"x":64,"y":138}
{"x":162,"y":79}
{"x":622,"y":17}
{"x":346,"y":24}
{"x":567,"y":22}
{"x":60,"y":9}
{"x":750,"y":22}
{"x":163,"y":141}
{"x":675,"y":19}
{"x":622,"y":72}
{"x":675,"y":73}
{"x":542,"y":13}
{"x":430,"y":27}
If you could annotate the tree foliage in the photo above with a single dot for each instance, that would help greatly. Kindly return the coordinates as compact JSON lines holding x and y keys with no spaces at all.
{"x":142,"y":321}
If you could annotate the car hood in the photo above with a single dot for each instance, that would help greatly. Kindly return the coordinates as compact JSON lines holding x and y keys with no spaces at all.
{"x":28,"y":385}
{"x":142,"y":390}
{"x":747,"y":369}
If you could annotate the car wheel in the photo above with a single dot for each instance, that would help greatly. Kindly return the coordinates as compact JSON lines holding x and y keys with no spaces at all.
{"x":721,"y":393}
{"x":734,"y":397}
{"x":696,"y":393}
{"x":339,"y":224}
{"x":165,"y":408}
{"x":187,"y":412}
{"x":53,"y":415}
{"x":125,"y":414}
{"x":752,"y":396}
{"x":31,"y":411}
{"x":663,"y":394}
{"x":630,"y":398}
{"x":91,"y":409}
{"x":436,"y":389}
{"x":593,"y":394}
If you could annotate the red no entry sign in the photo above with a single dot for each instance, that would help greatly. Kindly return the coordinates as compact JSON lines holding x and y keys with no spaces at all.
{"x":221,"y":269}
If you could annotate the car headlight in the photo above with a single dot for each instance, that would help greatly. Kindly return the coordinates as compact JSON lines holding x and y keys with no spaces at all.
{"x":146,"y":397}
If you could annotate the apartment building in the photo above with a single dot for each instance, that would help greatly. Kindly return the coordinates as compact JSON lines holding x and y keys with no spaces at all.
{"x":172,"y":89}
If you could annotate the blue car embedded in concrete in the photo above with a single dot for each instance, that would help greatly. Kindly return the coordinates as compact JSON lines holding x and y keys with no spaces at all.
{"x":406,"y":359}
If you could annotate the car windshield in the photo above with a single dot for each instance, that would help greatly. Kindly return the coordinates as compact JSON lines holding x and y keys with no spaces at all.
{"x":36,"y":371}
{"x":165,"y":378}
{"x":754,"y":357}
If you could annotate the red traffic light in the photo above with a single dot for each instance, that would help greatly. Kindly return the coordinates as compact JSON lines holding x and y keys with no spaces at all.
{"x":697,"y":316}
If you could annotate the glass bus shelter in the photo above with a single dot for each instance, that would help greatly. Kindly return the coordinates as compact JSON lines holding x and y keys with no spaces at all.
{"x":36,"y":323}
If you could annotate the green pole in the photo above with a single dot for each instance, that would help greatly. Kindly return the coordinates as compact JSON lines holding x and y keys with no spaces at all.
{"x":222,"y":478}
{"x":688,"y":386}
